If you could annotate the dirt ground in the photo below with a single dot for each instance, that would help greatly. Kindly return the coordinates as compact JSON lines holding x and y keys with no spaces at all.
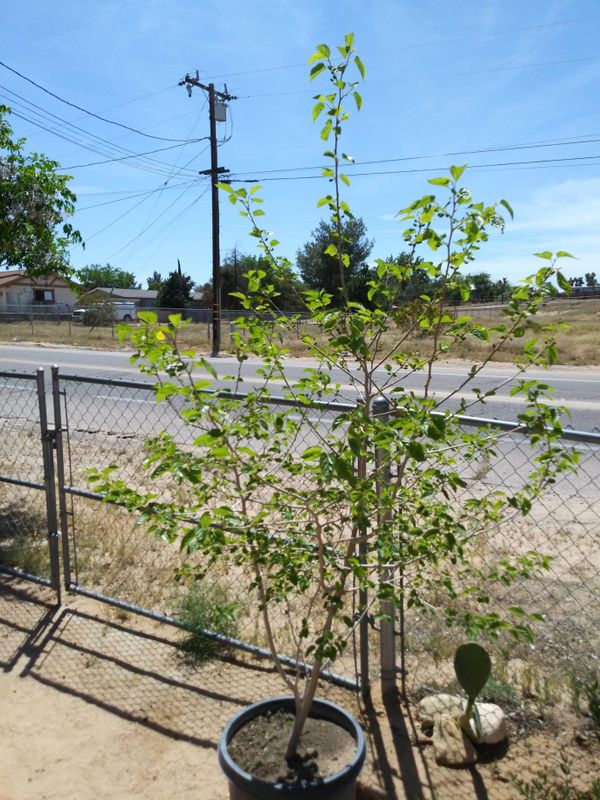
{"x":96,"y":706}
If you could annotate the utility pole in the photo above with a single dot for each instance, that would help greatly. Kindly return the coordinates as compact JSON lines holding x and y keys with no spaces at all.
{"x":214,"y":172}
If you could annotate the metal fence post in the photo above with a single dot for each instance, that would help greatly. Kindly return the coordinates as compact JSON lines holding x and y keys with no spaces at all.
{"x":47,"y":438}
{"x":387,"y":643}
{"x":363,"y":601}
{"x":60,"y":475}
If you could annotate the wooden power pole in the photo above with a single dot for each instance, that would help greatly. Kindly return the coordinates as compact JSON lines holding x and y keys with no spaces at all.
{"x":214,"y":172}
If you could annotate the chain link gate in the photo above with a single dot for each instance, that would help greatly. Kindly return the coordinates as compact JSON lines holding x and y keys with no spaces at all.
{"x":29,"y":532}
{"x":104,"y":557}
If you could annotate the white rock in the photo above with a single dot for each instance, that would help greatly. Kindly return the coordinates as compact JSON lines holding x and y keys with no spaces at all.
{"x":451,"y":745}
{"x":493,"y":724}
{"x":493,"y":718}
{"x":432,"y":707}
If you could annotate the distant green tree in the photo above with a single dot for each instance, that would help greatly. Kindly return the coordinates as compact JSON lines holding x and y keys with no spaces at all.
{"x":95,"y":275}
{"x":590,"y":279}
{"x":320,"y":270}
{"x":155,"y":281}
{"x":482,"y":286}
{"x":35,"y":201}
{"x":176,"y":290}
{"x":237,"y":265}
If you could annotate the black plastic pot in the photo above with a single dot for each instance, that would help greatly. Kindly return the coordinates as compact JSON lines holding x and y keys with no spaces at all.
{"x":338,"y":786}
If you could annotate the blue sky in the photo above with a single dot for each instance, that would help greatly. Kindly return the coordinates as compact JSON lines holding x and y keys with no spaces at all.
{"x":442,"y":77}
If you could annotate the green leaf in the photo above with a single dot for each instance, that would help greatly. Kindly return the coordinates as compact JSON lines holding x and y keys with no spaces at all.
{"x":312,"y":453}
{"x":564,"y":254}
{"x":456,"y":172}
{"x":330,"y":250}
{"x":546,"y":255}
{"x":316,"y":70}
{"x":508,"y":208}
{"x":360,"y":66}
{"x":563,"y":283}
{"x":317,"y":109}
{"x":416,"y":450}
{"x":442,"y":181}
{"x":324,"y":50}
{"x":358,"y":100}
{"x":349,"y":40}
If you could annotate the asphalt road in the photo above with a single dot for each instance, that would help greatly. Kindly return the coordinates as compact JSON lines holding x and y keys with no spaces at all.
{"x":578,"y":388}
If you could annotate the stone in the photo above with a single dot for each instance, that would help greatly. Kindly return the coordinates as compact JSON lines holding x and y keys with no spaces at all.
{"x":493,"y":718}
{"x":433,"y":706}
{"x":493,"y":724}
{"x":451,"y":746}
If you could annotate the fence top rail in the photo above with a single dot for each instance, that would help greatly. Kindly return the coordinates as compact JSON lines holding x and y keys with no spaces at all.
{"x":518,"y":427}
{"x":588,"y":437}
{"x":147,"y":386}
{"x":22,"y":376}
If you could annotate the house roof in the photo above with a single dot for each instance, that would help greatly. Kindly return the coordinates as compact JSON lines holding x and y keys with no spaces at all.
{"x":11,"y":276}
{"x":129,"y":294}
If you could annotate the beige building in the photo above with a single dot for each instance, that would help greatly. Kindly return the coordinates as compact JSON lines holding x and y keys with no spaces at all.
{"x":19,"y":292}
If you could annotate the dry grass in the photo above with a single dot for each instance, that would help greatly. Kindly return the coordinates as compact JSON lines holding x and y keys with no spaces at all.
{"x":577,"y":345}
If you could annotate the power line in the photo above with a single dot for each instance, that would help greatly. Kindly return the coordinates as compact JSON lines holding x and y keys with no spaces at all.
{"x":421,"y":169}
{"x":592,"y":138}
{"x":418,"y":45}
{"x":492,"y":70}
{"x":133,"y":155}
{"x":134,"y":195}
{"x":96,"y":144}
{"x":85,"y":110}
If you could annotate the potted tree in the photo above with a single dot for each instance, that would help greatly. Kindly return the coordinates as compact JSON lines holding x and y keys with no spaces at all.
{"x":373,"y":501}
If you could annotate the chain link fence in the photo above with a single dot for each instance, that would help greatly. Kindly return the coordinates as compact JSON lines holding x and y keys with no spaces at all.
{"x":100,"y":422}
{"x":107,"y":423}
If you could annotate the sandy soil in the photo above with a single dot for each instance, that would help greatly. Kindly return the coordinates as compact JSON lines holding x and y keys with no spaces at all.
{"x":95,"y":707}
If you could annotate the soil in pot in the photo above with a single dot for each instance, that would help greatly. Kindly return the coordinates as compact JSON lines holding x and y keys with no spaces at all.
{"x":259,"y":748}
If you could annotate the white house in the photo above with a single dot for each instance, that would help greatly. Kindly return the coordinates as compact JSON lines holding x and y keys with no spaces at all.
{"x":19,"y":292}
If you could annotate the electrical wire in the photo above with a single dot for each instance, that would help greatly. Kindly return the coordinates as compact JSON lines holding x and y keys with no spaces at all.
{"x":591,"y":138}
{"x":418,"y":45}
{"x":444,"y":75}
{"x":132,"y":196}
{"x":420,"y":169}
{"x":134,"y":155}
{"x":96,"y":144}
{"x":176,"y":223}
{"x":85,"y":110}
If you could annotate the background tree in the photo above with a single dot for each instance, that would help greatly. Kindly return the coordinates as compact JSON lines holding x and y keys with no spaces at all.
{"x":590,"y":279}
{"x":236,"y":267}
{"x":94,"y":275}
{"x":176,"y":290}
{"x":155,"y":281}
{"x":319,"y":270}
{"x":34,"y":202}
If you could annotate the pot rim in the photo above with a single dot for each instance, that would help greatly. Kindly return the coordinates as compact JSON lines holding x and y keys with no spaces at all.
{"x":329,"y":711}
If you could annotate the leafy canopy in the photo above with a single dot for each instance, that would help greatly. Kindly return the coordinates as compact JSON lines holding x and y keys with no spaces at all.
{"x":93,"y":276}
{"x":175,"y":291}
{"x":308,"y":505}
{"x":319,"y":267}
{"x":35,"y":203}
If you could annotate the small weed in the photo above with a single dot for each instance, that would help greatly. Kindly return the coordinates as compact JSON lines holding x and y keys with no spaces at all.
{"x":543,"y":787}
{"x":207,"y":608}
{"x":23,"y":541}
{"x":500,"y":692}
{"x":592,"y":692}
